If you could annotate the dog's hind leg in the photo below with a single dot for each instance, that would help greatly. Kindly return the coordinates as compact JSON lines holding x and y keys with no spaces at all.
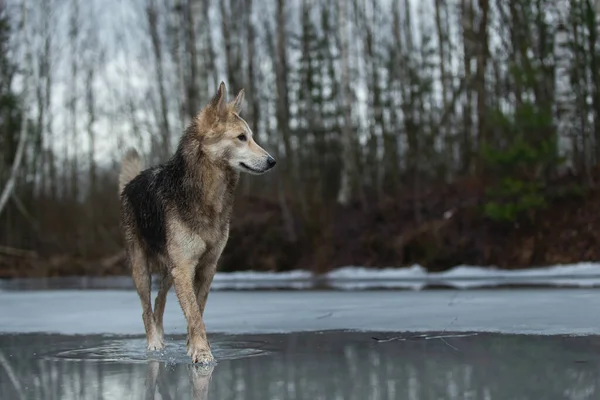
{"x":142,"y":279}
{"x":161,"y":300}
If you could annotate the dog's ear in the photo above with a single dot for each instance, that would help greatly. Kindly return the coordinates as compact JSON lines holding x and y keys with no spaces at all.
{"x":219,"y":100}
{"x":238,"y":103}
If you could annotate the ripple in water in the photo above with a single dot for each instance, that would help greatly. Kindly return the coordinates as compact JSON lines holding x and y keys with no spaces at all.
{"x":134,"y":351}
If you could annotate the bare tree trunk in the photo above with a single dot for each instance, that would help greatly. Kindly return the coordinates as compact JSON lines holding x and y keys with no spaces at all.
{"x":212,"y":69}
{"x":480,"y":82}
{"x":39,"y":162}
{"x":165,"y":132}
{"x":73,"y":38}
{"x":9,"y":187}
{"x":391,"y":149}
{"x":231,"y":59}
{"x":591,"y":20}
{"x":580,"y":85}
{"x":283,"y":103}
{"x":254,"y":106}
{"x":443,"y":129}
{"x":91,"y":109}
{"x":49,"y":175}
{"x":468,"y":44}
{"x":442,"y":37}
{"x":190,"y":45}
{"x":345,"y":190}
{"x":374,"y":116}
{"x":177,"y":52}
{"x":287,"y":175}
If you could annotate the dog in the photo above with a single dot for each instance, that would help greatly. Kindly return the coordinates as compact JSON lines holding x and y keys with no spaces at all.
{"x":175,"y":216}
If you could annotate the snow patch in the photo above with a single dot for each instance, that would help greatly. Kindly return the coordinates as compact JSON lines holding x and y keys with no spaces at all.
{"x":415,"y":277}
{"x":415,"y":271}
{"x":247,"y":280}
{"x":464,"y":277}
{"x":583,"y":270}
{"x":254,"y":275}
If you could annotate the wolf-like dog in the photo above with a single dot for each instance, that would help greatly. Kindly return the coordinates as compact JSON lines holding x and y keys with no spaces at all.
{"x":175,"y":216}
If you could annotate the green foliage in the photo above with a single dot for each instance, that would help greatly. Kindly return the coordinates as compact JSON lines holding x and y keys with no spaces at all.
{"x":524,"y":197}
{"x":520,"y":163}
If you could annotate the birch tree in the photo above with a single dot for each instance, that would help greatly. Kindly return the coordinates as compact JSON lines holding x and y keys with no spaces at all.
{"x":25,"y":31}
{"x":347,"y":173}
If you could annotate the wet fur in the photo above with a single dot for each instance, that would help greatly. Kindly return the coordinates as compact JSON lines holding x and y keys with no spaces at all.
{"x":175,"y":216}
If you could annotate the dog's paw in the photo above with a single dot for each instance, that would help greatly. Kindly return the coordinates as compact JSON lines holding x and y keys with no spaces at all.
{"x":155,"y":344}
{"x":201,"y":355}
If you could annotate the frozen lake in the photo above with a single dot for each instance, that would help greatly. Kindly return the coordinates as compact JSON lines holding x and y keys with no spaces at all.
{"x":522,"y":311}
{"x":492,"y":344}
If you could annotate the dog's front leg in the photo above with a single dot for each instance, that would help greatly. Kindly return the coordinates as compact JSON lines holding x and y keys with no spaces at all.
{"x":204,"y":278}
{"x":183,"y":280}
{"x":206,"y":270}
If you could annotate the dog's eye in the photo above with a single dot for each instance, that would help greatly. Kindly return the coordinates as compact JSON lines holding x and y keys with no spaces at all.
{"x":242,"y":137}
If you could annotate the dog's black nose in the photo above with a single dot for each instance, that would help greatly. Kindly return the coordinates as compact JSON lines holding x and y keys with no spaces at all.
{"x":271,"y":162}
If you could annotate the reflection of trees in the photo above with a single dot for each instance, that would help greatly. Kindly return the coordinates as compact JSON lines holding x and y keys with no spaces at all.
{"x":347,"y":366}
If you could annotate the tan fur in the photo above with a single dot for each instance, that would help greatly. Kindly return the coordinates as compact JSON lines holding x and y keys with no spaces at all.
{"x":131,"y":166}
{"x":216,"y":147}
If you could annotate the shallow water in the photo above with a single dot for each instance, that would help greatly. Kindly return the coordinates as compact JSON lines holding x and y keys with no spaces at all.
{"x":309,"y":365}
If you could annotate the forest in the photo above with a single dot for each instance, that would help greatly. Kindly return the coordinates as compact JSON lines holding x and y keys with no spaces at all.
{"x":433,"y":132}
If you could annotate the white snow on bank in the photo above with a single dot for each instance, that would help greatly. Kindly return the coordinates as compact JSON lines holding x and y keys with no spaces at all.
{"x":415,"y":277}
{"x":464,"y":276}
{"x":586,"y":274}
{"x":583,"y":270}
{"x":253,"y":275}
{"x":262,"y":280}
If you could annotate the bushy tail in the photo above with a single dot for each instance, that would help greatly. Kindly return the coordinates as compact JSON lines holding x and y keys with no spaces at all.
{"x":131,"y":166}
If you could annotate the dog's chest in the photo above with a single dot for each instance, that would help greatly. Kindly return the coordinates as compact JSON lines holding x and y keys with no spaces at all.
{"x":205,"y":235}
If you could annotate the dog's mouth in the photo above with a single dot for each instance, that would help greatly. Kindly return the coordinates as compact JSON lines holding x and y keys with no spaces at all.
{"x":246,"y":166}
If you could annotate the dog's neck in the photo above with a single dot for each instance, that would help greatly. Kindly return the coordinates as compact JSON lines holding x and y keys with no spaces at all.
{"x":212,"y":184}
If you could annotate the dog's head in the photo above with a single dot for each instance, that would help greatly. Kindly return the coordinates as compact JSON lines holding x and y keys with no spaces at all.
{"x":227,"y":138}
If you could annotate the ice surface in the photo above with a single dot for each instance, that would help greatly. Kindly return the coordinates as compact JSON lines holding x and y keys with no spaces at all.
{"x":530,"y":311}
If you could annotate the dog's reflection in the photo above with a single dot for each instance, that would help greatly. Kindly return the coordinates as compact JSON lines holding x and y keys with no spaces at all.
{"x":199,"y":376}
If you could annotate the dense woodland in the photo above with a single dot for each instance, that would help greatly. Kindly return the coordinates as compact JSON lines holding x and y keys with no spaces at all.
{"x":439,"y":132}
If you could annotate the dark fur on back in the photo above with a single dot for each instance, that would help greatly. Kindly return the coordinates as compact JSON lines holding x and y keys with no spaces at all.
{"x":144,"y":201}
